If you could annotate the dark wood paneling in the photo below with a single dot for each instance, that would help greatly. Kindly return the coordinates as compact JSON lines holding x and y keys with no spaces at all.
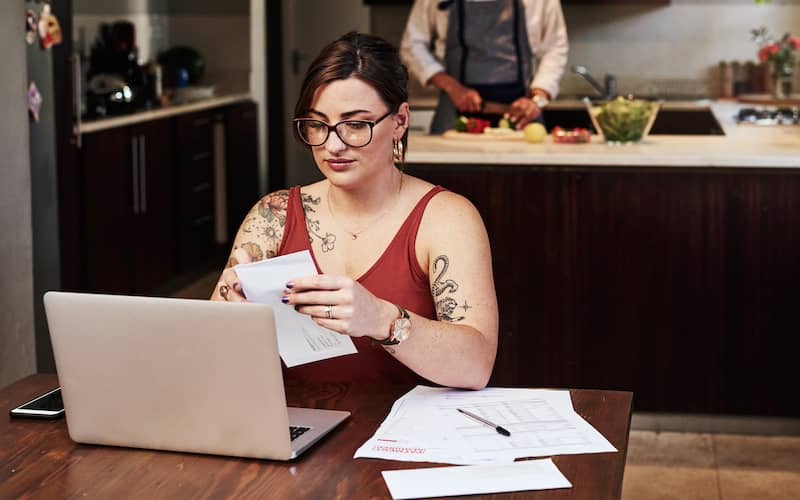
{"x":241,"y":152}
{"x":195,"y":167}
{"x":154,"y":241}
{"x":108,"y":215}
{"x":676,"y":284}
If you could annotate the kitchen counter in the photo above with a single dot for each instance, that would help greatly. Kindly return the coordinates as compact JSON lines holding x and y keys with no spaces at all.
{"x":743,"y":146}
{"x":87,"y":127}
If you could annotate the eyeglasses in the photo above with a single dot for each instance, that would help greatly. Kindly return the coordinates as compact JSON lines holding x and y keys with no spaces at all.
{"x":354,"y":133}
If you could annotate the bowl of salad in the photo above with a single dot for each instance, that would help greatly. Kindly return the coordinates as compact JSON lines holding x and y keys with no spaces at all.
{"x":623,"y":120}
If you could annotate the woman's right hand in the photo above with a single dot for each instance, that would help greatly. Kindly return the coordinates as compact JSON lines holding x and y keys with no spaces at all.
{"x":229,"y":288}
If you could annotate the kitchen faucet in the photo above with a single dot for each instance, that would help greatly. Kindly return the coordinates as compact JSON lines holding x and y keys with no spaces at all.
{"x":608,"y":91}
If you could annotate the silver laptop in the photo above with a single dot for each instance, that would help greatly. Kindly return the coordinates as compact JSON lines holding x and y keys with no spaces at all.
{"x":176,"y":374}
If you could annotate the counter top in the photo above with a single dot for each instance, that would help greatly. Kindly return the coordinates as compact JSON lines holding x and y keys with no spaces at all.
{"x":745,"y":146}
{"x":87,"y":127}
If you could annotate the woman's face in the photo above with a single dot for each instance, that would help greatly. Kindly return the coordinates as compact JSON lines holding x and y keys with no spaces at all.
{"x":353,"y":99}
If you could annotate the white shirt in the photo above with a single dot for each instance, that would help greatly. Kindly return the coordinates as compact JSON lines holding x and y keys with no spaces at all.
{"x":544,"y":23}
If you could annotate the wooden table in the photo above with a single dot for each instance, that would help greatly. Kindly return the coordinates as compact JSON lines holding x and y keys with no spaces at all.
{"x":38,"y":459}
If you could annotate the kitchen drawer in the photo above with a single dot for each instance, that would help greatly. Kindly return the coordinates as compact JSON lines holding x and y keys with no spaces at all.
{"x":195,"y":242}
{"x":195,"y":168}
{"x":195,"y":201}
{"x":195,"y":131}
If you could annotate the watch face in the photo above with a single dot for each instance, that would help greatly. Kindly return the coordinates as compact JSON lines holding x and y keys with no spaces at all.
{"x":402,"y":327}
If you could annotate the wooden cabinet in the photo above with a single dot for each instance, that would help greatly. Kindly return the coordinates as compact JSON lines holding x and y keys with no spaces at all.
{"x":195,"y":203}
{"x":676,"y":284}
{"x":163,"y":199}
{"x":241,"y":163}
{"x":128,"y":210}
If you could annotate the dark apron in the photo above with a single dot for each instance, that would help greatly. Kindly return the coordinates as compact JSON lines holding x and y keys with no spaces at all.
{"x":496,"y":79}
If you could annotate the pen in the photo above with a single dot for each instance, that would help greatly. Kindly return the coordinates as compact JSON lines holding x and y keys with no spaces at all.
{"x":500,"y":430}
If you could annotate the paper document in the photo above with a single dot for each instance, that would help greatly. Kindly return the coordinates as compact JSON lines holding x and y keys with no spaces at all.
{"x":425,"y":426}
{"x":473,"y":479}
{"x":300,"y":340}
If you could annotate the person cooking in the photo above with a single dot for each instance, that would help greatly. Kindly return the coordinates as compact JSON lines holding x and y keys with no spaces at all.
{"x":508,"y":51}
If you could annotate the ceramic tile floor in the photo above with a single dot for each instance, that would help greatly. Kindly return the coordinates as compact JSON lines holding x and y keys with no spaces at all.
{"x":683,"y":465}
{"x":674,"y":465}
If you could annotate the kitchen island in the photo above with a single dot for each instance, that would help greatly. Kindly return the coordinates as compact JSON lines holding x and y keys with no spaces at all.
{"x":668,"y":268}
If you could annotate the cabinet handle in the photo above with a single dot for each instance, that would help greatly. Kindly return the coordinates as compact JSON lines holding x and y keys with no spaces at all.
{"x":143,"y":171}
{"x":135,"y":173}
{"x":201,"y":187}
{"x":201,"y":220}
{"x":77,"y":77}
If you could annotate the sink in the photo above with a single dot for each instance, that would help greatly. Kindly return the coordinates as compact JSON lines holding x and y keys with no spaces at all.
{"x":670,"y":121}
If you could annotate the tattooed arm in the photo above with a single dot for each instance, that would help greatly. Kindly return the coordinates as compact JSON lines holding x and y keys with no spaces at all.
{"x":259,"y":237}
{"x":458,"y":349}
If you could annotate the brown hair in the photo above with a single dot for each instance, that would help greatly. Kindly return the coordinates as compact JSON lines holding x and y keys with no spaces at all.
{"x":369,"y":58}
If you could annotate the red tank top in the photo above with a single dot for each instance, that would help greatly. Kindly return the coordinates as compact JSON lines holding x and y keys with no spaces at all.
{"x":396,"y":276}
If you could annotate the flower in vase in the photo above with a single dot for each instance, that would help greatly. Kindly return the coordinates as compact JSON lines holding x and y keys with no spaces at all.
{"x":779,"y":53}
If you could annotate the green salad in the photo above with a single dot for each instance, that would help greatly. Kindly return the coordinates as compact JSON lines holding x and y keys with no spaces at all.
{"x":624,"y":120}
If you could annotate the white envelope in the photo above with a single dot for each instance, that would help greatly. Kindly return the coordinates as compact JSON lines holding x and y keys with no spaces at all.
{"x":300,"y":340}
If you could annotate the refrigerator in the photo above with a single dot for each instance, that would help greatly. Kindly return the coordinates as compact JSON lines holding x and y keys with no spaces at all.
{"x":54,"y":168}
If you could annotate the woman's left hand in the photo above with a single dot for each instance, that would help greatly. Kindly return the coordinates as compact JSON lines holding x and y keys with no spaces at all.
{"x":341,"y":304}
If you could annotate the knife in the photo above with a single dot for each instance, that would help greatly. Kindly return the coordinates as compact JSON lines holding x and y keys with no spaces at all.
{"x":494,"y":108}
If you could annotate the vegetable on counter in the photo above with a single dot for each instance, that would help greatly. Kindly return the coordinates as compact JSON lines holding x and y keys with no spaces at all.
{"x":470,"y":125}
{"x":574,"y":136}
{"x":624,"y":120}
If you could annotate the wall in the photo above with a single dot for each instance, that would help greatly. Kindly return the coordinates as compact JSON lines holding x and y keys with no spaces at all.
{"x":17,"y":348}
{"x":667,"y":50}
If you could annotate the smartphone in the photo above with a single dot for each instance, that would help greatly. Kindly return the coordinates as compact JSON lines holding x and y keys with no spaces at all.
{"x":48,"y":405}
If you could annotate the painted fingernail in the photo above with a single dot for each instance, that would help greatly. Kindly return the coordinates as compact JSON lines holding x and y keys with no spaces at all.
{"x":285,"y":299}
{"x":290,"y":284}
{"x":237,"y":287}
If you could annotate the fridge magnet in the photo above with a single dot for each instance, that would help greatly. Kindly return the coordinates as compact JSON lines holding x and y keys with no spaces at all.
{"x":49,"y":28}
{"x":31,"y":26}
{"x":34,"y":101}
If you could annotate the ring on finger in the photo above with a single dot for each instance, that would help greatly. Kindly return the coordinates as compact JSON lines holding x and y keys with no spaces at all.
{"x":223,"y":289}
{"x":329,"y":311}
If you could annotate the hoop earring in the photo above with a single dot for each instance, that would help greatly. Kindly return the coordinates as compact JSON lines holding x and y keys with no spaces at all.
{"x":398,"y":154}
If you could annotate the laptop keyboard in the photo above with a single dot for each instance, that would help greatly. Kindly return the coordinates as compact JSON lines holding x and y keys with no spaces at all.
{"x":296,"y":431}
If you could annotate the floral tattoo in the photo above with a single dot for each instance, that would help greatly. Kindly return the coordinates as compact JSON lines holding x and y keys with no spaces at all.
{"x":442,"y":290}
{"x":265,"y":223}
{"x":328,"y":241}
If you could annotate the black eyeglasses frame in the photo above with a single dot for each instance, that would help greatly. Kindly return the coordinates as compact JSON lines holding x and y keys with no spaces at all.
{"x":371,"y":123}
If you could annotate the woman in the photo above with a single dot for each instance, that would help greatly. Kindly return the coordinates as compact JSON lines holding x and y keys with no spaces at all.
{"x":405,"y":266}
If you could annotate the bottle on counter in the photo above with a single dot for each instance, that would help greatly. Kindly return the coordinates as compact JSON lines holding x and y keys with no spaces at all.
{"x":755,"y":78}
{"x":725,"y":79}
{"x":739,"y":78}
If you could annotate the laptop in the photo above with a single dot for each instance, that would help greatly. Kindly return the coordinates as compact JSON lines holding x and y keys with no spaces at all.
{"x":176,"y":374}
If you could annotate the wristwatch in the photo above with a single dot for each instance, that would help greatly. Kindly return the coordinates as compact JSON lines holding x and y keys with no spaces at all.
{"x":540,"y":100}
{"x":400,"y":329}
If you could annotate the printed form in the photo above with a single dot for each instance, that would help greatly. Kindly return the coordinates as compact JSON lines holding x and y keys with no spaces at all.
{"x":425,"y":426}
{"x":300,"y":340}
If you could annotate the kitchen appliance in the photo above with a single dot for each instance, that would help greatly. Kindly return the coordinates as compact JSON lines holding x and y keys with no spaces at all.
{"x":769,"y":116}
{"x":117,"y":84}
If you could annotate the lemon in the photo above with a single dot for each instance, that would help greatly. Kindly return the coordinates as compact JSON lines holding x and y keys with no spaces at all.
{"x":535,"y":132}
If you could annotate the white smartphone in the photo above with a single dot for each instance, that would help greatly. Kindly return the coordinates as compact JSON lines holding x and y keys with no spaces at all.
{"x":49,"y":405}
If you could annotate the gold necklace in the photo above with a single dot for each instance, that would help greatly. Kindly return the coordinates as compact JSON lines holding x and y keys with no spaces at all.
{"x":355,"y":234}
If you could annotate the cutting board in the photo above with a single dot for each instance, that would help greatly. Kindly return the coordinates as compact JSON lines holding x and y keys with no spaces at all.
{"x":768,"y":100}
{"x":517,"y":135}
